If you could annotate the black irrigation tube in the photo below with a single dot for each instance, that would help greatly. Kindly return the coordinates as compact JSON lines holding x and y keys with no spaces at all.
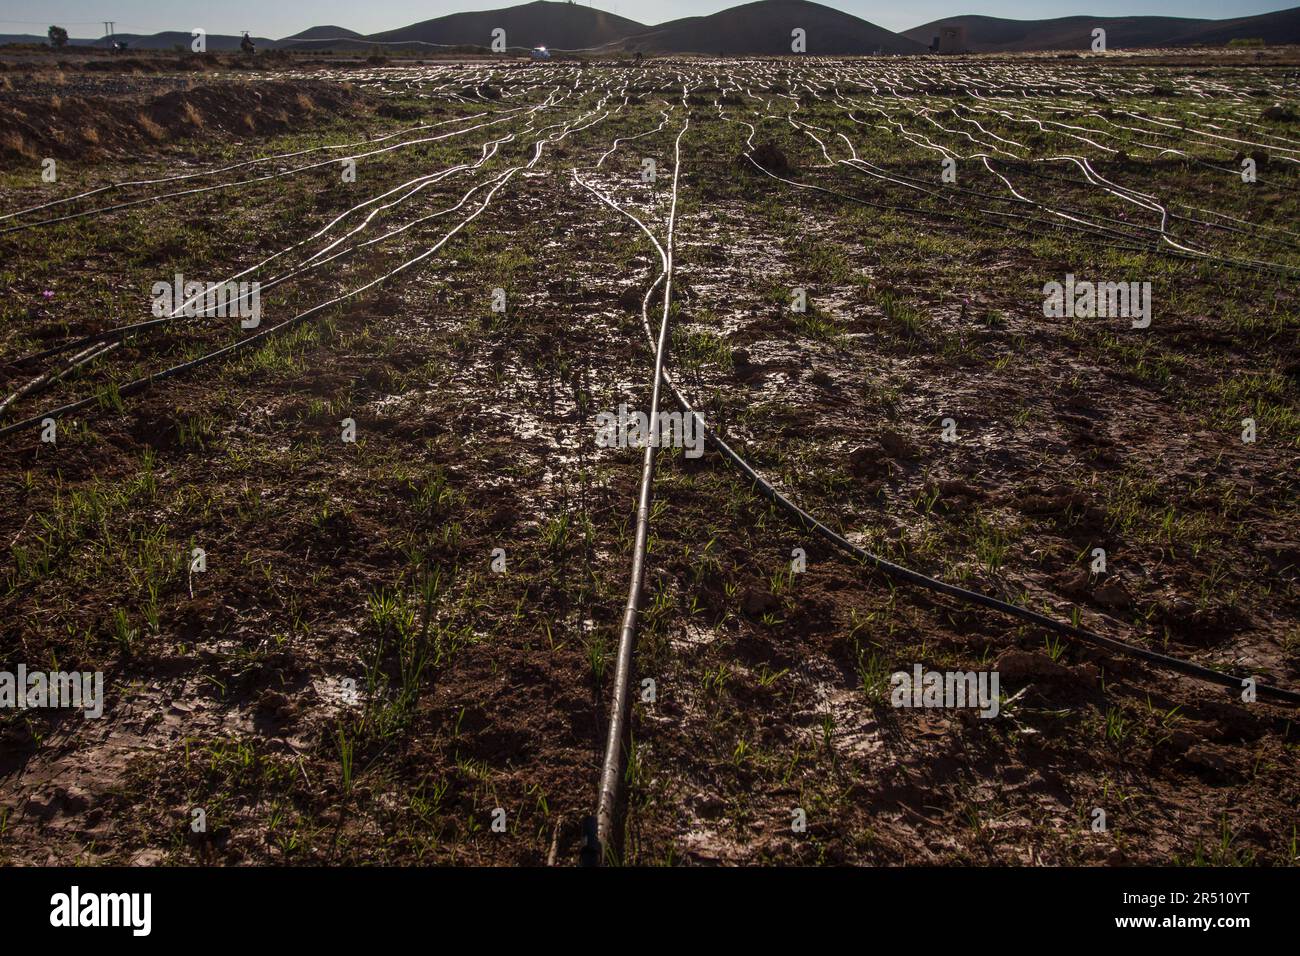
{"x":197,"y":174}
{"x":137,"y":385}
{"x":914,"y":577}
{"x":307,"y":265}
{"x":900,"y":573}
{"x":1024,"y":166}
{"x":1257,"y":265}
{"x":599,"y":835}
{"x":1092,"y":226}
{"x":140,"y":384}
{"x":500,"y":116}
{"x":1086,"y":228}
{"x":117,"y":336}
{"x":1086,"y":231}
{"x":612,"y":765}
{"x":1093,"y":222}
{"x":923,"y":186}
{"x":600,"y":832}
{"x":1110,"y":237}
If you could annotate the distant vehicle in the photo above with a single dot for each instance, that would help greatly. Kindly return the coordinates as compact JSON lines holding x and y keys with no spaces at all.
{"x":540,"y":53}
{"x":246,"y":44}
{"x":119,"y":45}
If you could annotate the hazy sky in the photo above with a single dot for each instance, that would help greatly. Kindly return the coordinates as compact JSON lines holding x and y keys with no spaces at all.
{"x":83,"y":17}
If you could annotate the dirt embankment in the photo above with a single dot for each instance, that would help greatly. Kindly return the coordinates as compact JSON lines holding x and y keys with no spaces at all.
{"x":99,"y":127}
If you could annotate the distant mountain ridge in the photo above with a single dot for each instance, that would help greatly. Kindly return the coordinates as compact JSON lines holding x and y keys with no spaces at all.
{"x":325,"y":33}
{"x":998,"y":35}
{"x":765,"y":28}
{"x":560,"y":26}
{"x":761,"y":28}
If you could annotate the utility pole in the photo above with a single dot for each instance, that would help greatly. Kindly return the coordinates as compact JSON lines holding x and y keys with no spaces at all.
{"x":108,"y":32}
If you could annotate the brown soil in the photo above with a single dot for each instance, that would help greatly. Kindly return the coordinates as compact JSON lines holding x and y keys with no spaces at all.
{"x":92,"y":128}
{"x":330,"y":563}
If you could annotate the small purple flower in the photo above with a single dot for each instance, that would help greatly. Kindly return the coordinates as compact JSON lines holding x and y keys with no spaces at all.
{"x":48,"y":293}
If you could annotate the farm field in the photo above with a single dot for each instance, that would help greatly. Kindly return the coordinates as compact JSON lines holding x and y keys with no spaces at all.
{"x":353,"y":565}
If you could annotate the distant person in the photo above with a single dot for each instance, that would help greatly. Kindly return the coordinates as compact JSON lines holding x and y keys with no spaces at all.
{"x":246,"y":44}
